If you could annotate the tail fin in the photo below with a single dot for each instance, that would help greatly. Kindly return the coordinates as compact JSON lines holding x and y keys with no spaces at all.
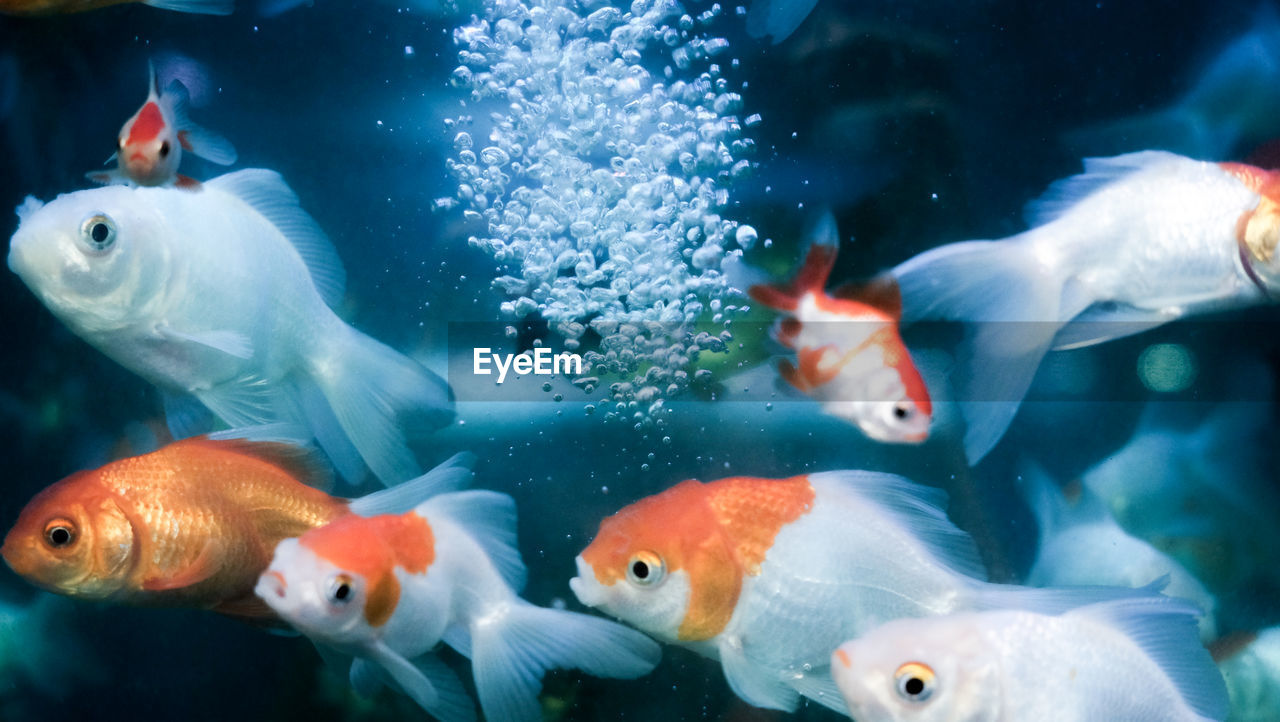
{"x":451,"y":475}
{"x":194,"y":138}
{"x":812,"y":276}
{"x":510,"y":655}
{"x":1015,"y":303}
{"x":203,"y":7}
{"x":375,"y":392}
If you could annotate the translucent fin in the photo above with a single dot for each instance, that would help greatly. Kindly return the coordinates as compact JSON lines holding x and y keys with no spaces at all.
{"x":920,"y":510}
{"x":511,"y":653}
{"x":1166,"y":630}
{"x":1053,"y":600}
{"x":1014,"y":304}
{"x":375,"y":394}
{"x":185,"y":415}
{"x":365,"y":677}
{"x":490,"y":519}
{"x":199,"y":141}
{"x":202,"y":7}
{"x":310,"y":405}
{"x":245,"y":401}
{"x":455,"y":704}
{"x":407,"y":677}
{"x":777,"y":19}
{"x":232,"y":343}
{"x":1178,"y":128}
{"x":821,"y":688}
{"x":1107,"y":322}
{"x":453,"y":474}
{"x":272,"y":8}
{"x":758,"y":686}
{"x":269,"y":195}
{"x":280,"y":433}
{"x":458,"y":637}
{"x":1098,"y":173}
{"x":1052,"y":511}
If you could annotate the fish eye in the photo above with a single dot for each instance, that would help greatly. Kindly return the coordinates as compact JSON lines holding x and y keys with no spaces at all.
{"x":902,"y":411}
{"x":646,"y":569}
{"x":59,"y":533}
{"x":914,"y":681}
{"x":164,"y":149}
{"x":341,"y":588}
{"x":98,"y":232}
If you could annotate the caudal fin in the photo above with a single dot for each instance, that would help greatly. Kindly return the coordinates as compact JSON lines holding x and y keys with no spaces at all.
{"x":202,"y":7}
{"x":1013,"y":304}
{"x":377,"y":395}
{"x":823,"y":240}
{"x":510,"y":655}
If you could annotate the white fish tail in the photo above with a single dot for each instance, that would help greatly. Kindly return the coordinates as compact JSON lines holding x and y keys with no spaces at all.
{"x":451,"y":475}
{"x":203,"y":7}
{"x":1015,"y":301}
{"x":510,"y":653}
{"x":377,"y":395}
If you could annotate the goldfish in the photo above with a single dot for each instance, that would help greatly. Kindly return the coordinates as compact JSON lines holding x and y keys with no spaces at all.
{"x":191,"y":525}
{"x":1137,"y":241}
{"x":1081,"y":544}
{"x":850,"y":354}
{"x":59,"y":7}
{"x":223,"y":299}
{"x":151,"y":142}
{"x":387,"y":589}
{"x":1136,"y":659}
{"x":769,"y":575}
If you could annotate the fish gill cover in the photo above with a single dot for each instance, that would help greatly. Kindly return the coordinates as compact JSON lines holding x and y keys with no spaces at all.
{"x":600,"y":187}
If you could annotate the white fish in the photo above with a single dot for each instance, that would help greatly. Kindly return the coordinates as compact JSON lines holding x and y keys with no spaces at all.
{"x":1137,"y":659}
{"x":1082,"y":545}
{"x":388,"y":589}
{"x":224,"y":294}
{"x":1136,"y":241}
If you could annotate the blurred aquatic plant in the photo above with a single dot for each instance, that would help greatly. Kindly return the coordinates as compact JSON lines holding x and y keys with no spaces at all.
{"x":600,"y":186}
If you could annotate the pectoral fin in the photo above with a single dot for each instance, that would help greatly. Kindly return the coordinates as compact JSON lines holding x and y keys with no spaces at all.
{"x":231,"y":343}
{"x":200,"y":569}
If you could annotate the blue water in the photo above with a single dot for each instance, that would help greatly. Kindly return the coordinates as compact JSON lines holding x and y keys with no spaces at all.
{"x":916,"y":124}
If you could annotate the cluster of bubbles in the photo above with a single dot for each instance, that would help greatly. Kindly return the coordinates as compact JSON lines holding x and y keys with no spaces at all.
{"x":601,"y":185}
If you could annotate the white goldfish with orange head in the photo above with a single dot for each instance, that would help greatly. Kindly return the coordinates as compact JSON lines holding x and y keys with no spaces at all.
{"x":150,"y":145}
{"x":849,"y":354}
{"x":1137,"y":241}
{"x":388,"y":589}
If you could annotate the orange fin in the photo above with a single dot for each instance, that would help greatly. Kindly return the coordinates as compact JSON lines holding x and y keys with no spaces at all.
{"x":186,"y":182}
{"x":812,"y":276}
{"x":791,"y":375}
{"x":184,"y":142}
{"x":249,"y":608}
{"x":811,"y":365}
{"x":881,"y":293}
{"x":199,"y":570}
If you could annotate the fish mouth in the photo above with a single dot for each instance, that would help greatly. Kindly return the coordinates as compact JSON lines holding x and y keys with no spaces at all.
{"x":272,"y":587}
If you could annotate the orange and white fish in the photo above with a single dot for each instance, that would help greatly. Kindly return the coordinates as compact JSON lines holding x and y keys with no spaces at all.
{"x":150,"y":145}
{"x":388,"y":589}
{"x":1136,"y":241}
{"x":192,"y":524}
{"x":850,"y":355}
{"x":769,"y":576}
{"x":60,"y":7}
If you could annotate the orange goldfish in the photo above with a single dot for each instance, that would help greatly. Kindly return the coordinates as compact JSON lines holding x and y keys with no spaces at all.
{"x":851,"y":357}
{"x":191,"y":525}
{"x":62,"y":7}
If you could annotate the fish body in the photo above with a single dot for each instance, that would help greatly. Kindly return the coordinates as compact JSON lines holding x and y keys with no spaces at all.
{"x":850,"y":356}
{"x":224,"y":295}
{"x":151,"y":142}
{"x":192,"y":524}
{"x":62,"y":7}
{"x":387,"y":590}
{"x":1136,"y":241}
{"x":770,"y":575}
{"x":1137,"y":659}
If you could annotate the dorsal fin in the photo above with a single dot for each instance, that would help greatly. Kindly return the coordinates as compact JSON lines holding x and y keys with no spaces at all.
{"x":1098,"y":172}
{"x":300,"y":462}
{"x":269,"y":195}
{"x":880,"y":292}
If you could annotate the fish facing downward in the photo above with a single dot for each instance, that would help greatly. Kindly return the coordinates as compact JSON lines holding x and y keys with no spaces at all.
{"x":850,"y":355}
{"x":223,"y":297}
{"x":60,"y":7}
{"x":769,"y":575}
{"x":192,"y":524}
{"x":1136,"y":659}
{"x":1136,"y":241}
{"x":150,"y":145}
{"x":387,"y":589}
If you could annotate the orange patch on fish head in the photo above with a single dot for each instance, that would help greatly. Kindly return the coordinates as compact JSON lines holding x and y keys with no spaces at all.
{"x":147,"y":124}
{"x":73,"y":538}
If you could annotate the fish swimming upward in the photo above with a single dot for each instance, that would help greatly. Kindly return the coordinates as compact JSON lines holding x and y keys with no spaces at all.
{"x":769,"y":575}
{"x":850,"y":355}
{"x":61,"y":7}
{"x":1137,"y":659}
{"x":150,"y":145}
{"x":190,"y":525}
{"x":387,"y":590}
{"x":225,"y":295}
{"x":1136,"y":241}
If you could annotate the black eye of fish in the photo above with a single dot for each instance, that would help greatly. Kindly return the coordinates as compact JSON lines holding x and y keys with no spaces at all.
{"x":646,"y":569}
{"x":640,"y":570}
{"x":340,"y":589}
{"x":164,"y":149}
{"x":98,"y":232}
{"x":915,"y":681}
{"x":59,"y":534}
{"x":901,"y":411}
